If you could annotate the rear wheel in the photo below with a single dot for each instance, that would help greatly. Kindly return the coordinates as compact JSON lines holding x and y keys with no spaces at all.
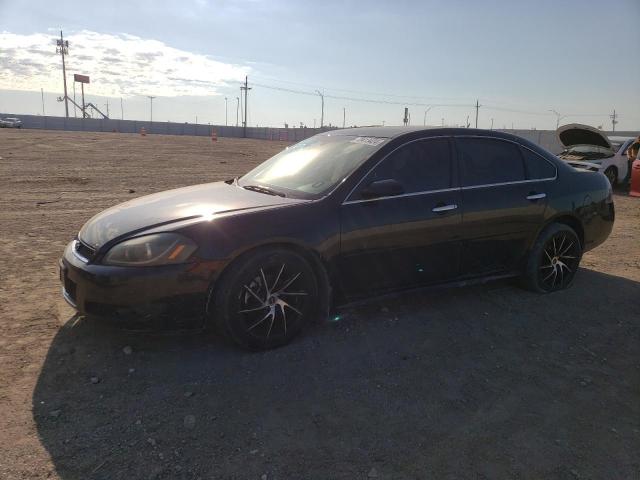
{"x":612,"y":175}
{"x":554,"y":259}
{"x":265,"y":299}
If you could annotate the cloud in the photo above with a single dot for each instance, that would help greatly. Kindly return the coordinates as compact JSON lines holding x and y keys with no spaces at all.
{"x":119,"y":65}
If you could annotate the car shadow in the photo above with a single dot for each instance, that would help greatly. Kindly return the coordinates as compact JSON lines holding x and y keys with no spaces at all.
{"x":480,"y":382}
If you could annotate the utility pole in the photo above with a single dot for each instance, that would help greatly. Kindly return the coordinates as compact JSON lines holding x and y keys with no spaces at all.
{"x":492,"y":124}
{"x":425,"y":116}
{"x":121,"y":110}
{"x":246,"y":89}
{"x":477,"y":108}
{"x":322,"y":112}
{"x":614,"y":120}
{"x":63,"y":49}
{"x":226,"y":112}
{"x":151,"y":97}
{"x":237,"y":109}
{"x":344,"y":116}
{"x":42,"y":94}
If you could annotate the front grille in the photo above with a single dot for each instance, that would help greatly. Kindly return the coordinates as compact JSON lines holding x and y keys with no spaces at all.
{"x":84,"y":250}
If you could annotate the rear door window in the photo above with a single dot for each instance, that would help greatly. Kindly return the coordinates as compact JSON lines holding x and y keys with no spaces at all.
{"x":487,"y":161}
{"x":538,"y":168}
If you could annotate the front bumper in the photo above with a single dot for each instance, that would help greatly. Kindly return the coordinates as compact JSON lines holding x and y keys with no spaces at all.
{"x":105,"y":290}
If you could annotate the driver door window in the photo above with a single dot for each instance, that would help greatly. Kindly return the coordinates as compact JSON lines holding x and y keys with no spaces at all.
{"x":420,"y":166}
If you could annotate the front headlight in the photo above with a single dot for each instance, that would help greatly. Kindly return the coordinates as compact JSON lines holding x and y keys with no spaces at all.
{"x":149,"y":250}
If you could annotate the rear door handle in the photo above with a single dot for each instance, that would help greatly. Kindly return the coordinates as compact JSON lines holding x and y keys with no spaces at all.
{"x":536,"y":196}
{"x":444,"y":208}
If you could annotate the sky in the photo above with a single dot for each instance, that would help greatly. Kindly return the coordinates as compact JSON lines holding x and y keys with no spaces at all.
{"x":370,"y":59}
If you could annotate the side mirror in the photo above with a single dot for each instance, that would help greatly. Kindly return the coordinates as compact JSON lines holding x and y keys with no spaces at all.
{"x":383,"y":188}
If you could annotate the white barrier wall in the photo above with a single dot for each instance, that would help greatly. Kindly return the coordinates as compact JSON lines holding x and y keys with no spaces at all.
{"x":545,"y":138}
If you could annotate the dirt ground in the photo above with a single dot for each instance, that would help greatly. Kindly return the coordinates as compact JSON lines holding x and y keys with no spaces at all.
{"x":484,"y":382}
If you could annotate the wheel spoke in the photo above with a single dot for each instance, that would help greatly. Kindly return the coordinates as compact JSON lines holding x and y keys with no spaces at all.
{"x":555,"y":250}
{"x":273,"y":319}
{"x":566,"y":249}
{"x":292,"y":293}
{"x":266,"y":287}
{"x":277,"y":278}
{"x":254,"y":294}
{"x":562,"y":243}
{"x":284,"y":319}
{"x":564,"y":265}
{"x":285,"y":304}
{"x":293,"y":279}
{"x":546,"y":266}
{"x":253,"y":309}
{"x":270,"y":313}
{"x":548,"y":256}
{"x":548,"y":276}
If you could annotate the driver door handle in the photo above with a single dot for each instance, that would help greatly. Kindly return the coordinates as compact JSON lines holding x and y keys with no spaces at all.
{"x":444,"y":208}
{"x":536,"y":196}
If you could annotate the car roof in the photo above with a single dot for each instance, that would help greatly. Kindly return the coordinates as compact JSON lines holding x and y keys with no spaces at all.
{"x":395,"y":132}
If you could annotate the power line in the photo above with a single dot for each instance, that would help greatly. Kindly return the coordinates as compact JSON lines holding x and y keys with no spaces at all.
{"x":360,"y":99}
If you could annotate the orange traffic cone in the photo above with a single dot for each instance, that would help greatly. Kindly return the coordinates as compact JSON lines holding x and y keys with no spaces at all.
{"x":143,"y":132}
{"x":214,"y":136}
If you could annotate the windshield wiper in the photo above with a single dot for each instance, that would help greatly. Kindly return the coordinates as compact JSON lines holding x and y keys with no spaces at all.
{"x":262,"y":189}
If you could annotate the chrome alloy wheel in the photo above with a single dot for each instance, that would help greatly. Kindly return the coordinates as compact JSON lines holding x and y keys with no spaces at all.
{"x":272,"y":300}
{"x":559,"y":262}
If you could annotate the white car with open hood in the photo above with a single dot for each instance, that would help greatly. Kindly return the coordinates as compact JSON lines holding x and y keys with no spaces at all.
{"x":588,"y":147}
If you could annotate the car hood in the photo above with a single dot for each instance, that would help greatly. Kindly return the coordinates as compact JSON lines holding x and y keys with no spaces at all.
{"x":173,"y":206}
{"x":576,"y":134}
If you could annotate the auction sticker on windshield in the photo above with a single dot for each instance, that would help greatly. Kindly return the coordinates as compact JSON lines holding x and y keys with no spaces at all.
{"x":372,"y":141}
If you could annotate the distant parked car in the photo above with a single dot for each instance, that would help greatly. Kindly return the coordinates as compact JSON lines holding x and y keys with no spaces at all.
{"x":337,"y":217}
{"x":588,"y":147}
{"x":10,"y":122}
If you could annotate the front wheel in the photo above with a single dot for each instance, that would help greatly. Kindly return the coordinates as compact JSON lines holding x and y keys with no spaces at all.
{"x":553,"y":260}
{"x":265,"y":299}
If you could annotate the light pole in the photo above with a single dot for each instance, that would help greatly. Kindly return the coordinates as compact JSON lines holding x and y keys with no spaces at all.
{"x":226,"y":112}
{"x":237,"y":109}
{"x":322,"y":113}
{"x":558,"y":117}
{"x":492,"y":124}
{"x":425,"y":116}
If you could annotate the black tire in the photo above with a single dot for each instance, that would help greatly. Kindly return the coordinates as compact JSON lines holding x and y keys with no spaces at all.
{"x":265,"y":299}
{"x":554,"y":259}
{"x":612,"y":175}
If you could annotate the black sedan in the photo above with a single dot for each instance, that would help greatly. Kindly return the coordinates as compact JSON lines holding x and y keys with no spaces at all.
{"x":338,"y":217}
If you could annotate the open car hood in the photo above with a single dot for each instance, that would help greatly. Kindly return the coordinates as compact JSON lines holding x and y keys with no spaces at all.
{"x":575,"y":134}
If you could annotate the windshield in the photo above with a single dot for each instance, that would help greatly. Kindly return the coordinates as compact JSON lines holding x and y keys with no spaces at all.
{"x":313,"y":167}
